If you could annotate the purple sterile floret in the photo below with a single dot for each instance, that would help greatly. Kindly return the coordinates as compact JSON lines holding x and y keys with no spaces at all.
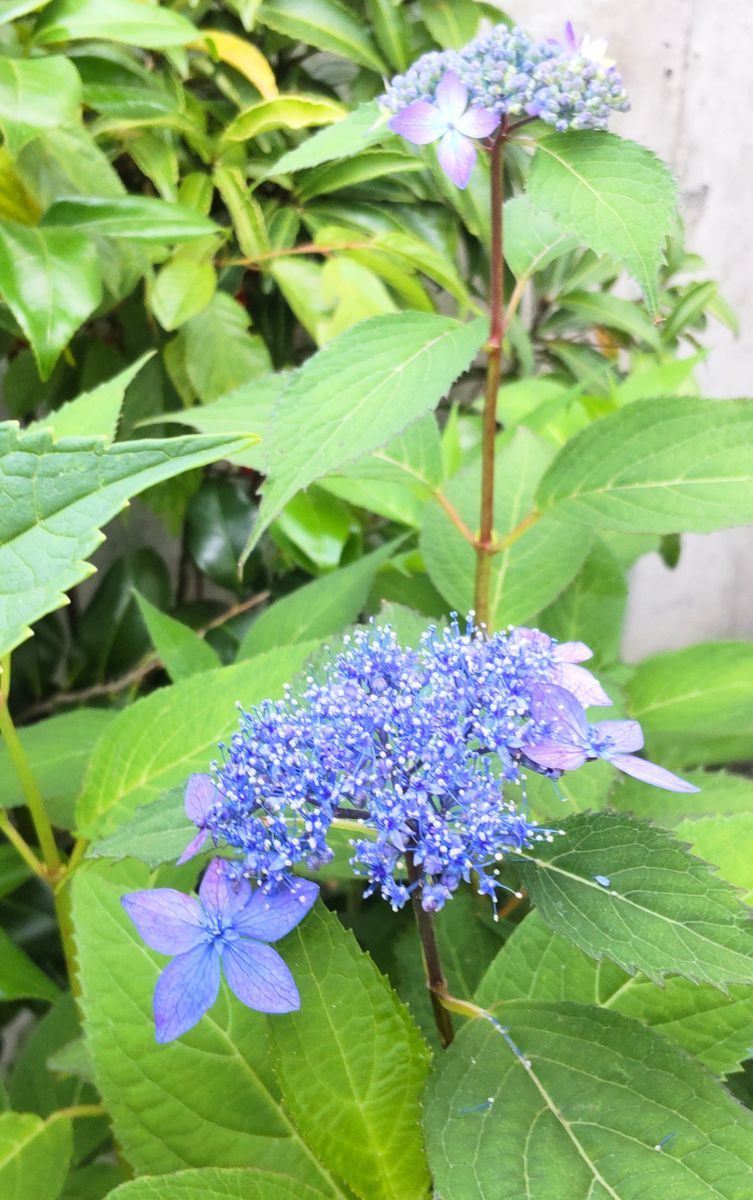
{"x":561,"y":738}
{"x":229,"y":923}
{"x":201,"y":795}
{"x":449,"y":121}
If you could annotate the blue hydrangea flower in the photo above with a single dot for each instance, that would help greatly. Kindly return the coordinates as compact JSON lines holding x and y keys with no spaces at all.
{"x":449,"y":121}
{"x":229,"y":923}
{"x":561,"y":738}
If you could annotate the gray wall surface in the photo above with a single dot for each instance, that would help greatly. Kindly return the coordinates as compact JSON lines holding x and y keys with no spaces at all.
{"x":687,"y":68}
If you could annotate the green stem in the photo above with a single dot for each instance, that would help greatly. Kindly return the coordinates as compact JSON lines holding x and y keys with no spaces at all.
{"x":23,"y":848}
{"x":34,"y":801}
{"x":485,"y":547}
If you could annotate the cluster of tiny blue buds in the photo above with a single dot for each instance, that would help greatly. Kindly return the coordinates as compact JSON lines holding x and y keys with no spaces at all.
{"x":570,"y":86}
{"x":419,"y":746}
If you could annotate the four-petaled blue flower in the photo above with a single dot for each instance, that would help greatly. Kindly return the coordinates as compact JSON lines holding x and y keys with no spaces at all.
{"x":450,"y":121}
{"x":230,"y":922}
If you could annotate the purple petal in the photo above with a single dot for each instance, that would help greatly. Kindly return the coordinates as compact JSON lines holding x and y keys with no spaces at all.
{"x":260,"y":978}
{"x":582,"y":684}
{"x":224,"y":891}
{"x":573,"y":652}
{"x":622,"y":736}
{"x":456,"y":155}
{"x":571,"y":40}
{"x":532,"y":636}
{"x":452,"y":97}
{"x":167,"y":920}
{"x":477,"y":122}
{"x":200,"y":796}
{"x":186,"y":988}
{"x":193,"y":847}
{"x":648,"y":772}
{"x":555,"y":755}
{"x":270,"y":915}
{"x":419,"y":123}
{"x":557,"y":707}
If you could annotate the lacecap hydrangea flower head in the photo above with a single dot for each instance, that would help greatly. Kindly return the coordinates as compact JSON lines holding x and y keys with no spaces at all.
{"x":425,"y":749}
{"x":460,"y":97}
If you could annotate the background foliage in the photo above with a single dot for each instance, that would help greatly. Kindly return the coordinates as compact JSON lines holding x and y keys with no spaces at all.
{"x":198,"y":294}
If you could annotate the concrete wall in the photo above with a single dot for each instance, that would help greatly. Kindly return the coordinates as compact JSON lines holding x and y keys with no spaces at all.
{"x":687,"y":67}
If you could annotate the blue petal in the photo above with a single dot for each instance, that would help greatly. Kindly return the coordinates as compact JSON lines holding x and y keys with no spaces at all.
{"x":167,"y":920}
{"x":201,"y":795}
{"x":259,"y":978}
{"x":193,"y":848}
{"x":452,"y":97}
{"x":224,"y":892}
{"x":456,"y":155}
{"x":648,"y":772}
{"x":272,"y":914}
{"x":186,"y":988}
{"x":622,"y":737}
{"x":419,"y":123}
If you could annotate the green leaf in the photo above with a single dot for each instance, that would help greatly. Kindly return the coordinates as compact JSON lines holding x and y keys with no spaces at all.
{"x":317,"y":609}
{"x":358,"y":1107}
{"x":126,"y":21}
{"x":184,"y":286}
{"x":20,"y":977}
{"x":452,"y":23}
{"x":663,"y":913}
{"x":558,"y":1129}
{"x":11,"y":9}
{"x":392,"y":32}
{"x":380,"y":376}
{"x":667,"y":379}
{"x":283,"y":112}
{"x":157,"y":742}
{"x":217,"y":351}
{"x":533,"y":239}
{"x":59,"y":495}
{"x":721,"y":794}
{"x":157,"y":833}
{"x":697,"y":703}
{"x":140,"y":218}
{"x":247,"y":408}
{"x":324,"y":24}
{"x":601,"y":309}
{"x":534,"y":568}
{"x":413,"y":458}
{"x":36,"y":93}
{"x":724,"y":841}
{"x":93,"y":1182}
{"x":658,"y":466}
{"x":245,"y":211}
{"x":181,"y":649}
{"x":34,"y":1156}
{"x":360,"y":129}
{"x":158,"y":1096}
{"x":50,"y":280}
{"x":95,"y":413}
{"x":356,"y":168}
{"x":13,"y":869}
{"x":536,"y":964}
{"x":613,"y":194}
{"x":213,"y":1183}
{"x":219,"y":518}
{"x":592,"y":608}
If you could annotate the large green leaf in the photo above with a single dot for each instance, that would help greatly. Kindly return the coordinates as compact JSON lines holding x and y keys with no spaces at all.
{"x":129,"y":21}
{"x":283,"y":112}
{"x":34,"y":1156}
{"x":181,"y":649}
{"x":50,"y":280}
{"x":661,"y":911}
{"x":536,"y":964}
{"x":214,"y":1183}
{"x":613,"y":194}
{"x":352,"y":1064}
{"x":658,"y":466}
{"x":697,"y":703}
{"x":214,"y":352}
{"x":724,"y":841}
{"x":356,"y":394}
{"x":360,"y":129}
{"x":248,"y":408}
{"x":58,"y":750}
{"x":606,"y":1110}
{"x":533,"y":239}
{"x":721,"y":793}
{"x":156,"y":742}
{"x":592,"y":608}
{"x":317,"y":609}
{"x":36,"y":93}
{"x":158,"y":1096}
{"x":324,"y":24}
{"x":143,"y":218}
{"x":534,"y":568}
{"x":59,"y":495}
